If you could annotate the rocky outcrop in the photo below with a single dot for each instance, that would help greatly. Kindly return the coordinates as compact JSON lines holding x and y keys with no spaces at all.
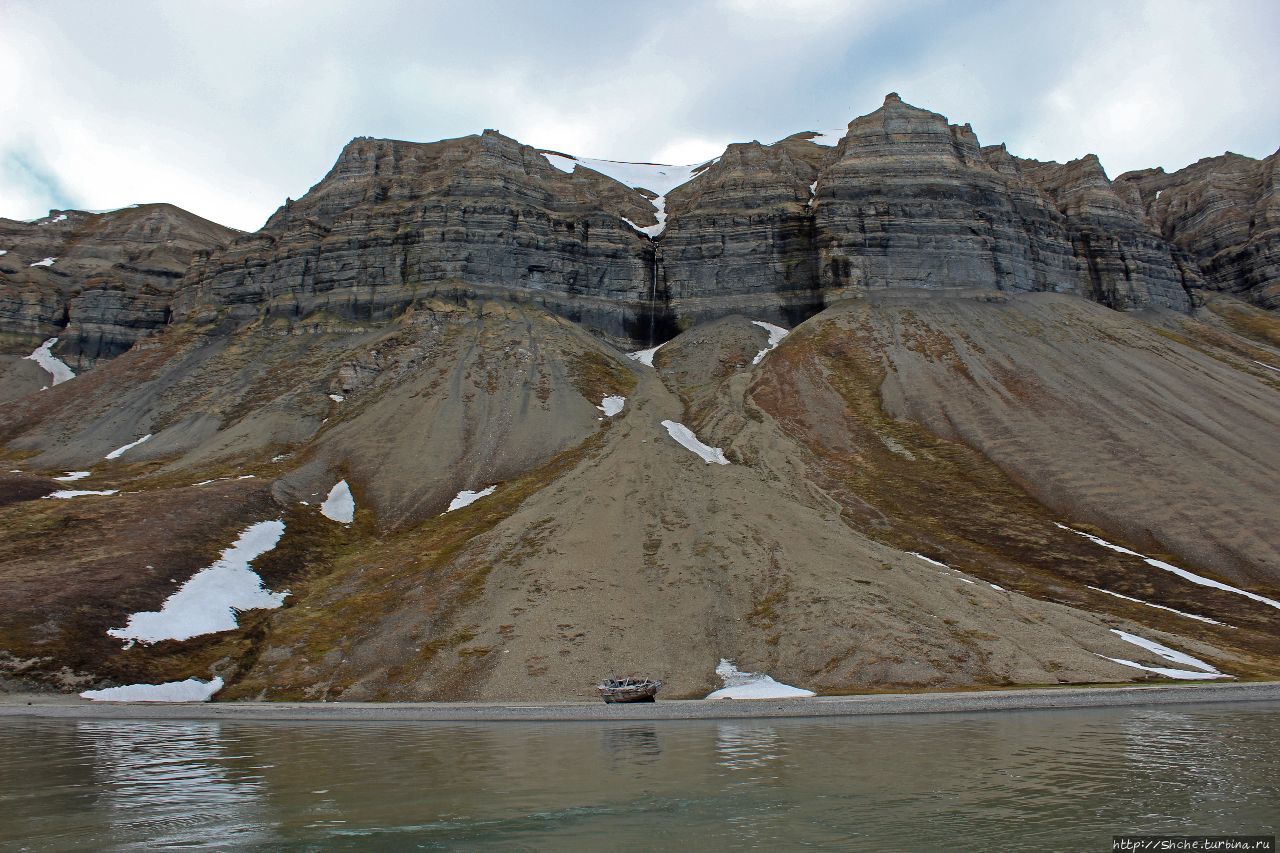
{"x":741,"y":238}
{"x":394,"y":221}
{"x":96,"y":281}
{"x":910,"y":200}
{"x":1126,"y":263}
{"x":904,"y":199}
{"x":1224,"y":212}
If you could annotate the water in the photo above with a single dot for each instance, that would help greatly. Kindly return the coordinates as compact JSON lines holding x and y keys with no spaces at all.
{"x":1046,"y":780}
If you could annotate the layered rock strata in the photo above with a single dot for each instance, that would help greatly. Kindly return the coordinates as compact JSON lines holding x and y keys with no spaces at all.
{"x":1225,"y":213}
{"x":97,"y":282}
{"x":395,"y":221}
{"x":904,"y":199}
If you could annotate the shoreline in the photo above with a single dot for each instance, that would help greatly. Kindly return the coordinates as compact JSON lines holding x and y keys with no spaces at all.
{"x":44,"y":706}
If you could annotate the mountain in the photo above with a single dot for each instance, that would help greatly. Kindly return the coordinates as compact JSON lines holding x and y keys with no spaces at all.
{"x":923,"y":415}
{"x":99,"y":282}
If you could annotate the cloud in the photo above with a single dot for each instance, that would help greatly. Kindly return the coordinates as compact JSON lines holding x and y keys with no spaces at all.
{"x":227,"y":108}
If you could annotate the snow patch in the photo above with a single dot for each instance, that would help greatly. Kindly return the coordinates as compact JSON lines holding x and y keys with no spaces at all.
{"x":43,"y":356}
{"x":752,"y":685}
{"x":3,"y":252}
{"x":776,"y":334}
{"x":209,"y":601}
{"x":686,"y":439}
{"x":46,"y":262}
{"x":115,"y":454}
{"x":467,"y":498}
{"x":1202,"y":670}
{"x":72,"y":476}
{"x":191,"y":690}
{"x":658,"y":178}
{"x":1164,"y":651}
{"x":1160,"y":607}
{"x":340,"y":505}
{"x":1182,"y":573}
{"x":337,"y":398}
{"x":928,"y":560}
{"x":612,"y":405}
{"x":1267,"y":366}
{"x":645,"y":356}
{"x":1167,"y":672}
{"x":75,"y":493}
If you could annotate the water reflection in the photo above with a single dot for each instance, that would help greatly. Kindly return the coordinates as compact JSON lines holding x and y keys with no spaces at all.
{"x":1063,"y":780}
{"x":746,"y":745}
{"x":631,"y":745}
{"x":173,"y":784}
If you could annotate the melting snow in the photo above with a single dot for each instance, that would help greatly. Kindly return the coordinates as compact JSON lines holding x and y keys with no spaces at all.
{"x":1202,"y":670}
{"x":191,"y":690}
{"x":1267,"y":366}
{"x":645,"y":356}
{"x":115,"y":454}
{"x":75,"y":493}
{"x":927,"y":560}
{"x":43,"y":356}
{"x":658,"y":178}
{"x":466,"y":498}
{"x":71,"y":476}
{"x":685,"y":438}
{"x":1159,"y":606}
{"x":340,"y":505}
{"x":752,"y":685}
{"x":612,"y":405}
{"x":47,"y":262}
{"x":1182,"y":573}
{"x":209,"y":601}
{"x":337,"y":398}
{"x":776,"y":334}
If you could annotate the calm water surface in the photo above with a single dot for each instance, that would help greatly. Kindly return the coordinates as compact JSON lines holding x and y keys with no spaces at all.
{"x":1048,"y":780}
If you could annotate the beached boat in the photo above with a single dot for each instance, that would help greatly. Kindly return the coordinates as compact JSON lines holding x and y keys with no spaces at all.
{"x":628,"y":689}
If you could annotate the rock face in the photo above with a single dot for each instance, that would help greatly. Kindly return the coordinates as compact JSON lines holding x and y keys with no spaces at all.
{"x":97,"y":282}
{"x":910,"y":200}
{"x":904,"y":199}
{"x":1224,"y":212}
{"x":396,"y":221}
{"x":741,"y":234}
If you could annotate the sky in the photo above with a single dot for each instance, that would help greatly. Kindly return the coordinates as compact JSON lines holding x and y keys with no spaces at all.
{"x":227,"y":108}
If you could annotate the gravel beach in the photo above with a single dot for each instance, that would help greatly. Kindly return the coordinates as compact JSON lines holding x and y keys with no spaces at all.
{"x":14,"y":706}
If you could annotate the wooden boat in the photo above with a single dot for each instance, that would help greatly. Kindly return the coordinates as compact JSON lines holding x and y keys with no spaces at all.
{"x":628,"y":689}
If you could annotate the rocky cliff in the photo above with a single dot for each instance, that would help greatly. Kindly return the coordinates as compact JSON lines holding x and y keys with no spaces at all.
{"x":1225,"y":213}
{"x":904,"y":199}
{"x":98,"y":282}
{"x":634,"y":251}
{"x":393,"y":222}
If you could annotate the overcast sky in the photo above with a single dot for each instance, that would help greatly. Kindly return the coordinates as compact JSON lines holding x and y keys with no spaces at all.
{"x":226,"y":108}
